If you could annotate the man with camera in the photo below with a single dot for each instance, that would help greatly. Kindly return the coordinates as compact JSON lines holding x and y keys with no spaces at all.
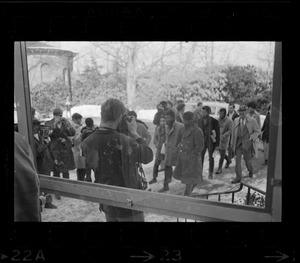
{"x":113,"y":155}
{"x":61,"y":145}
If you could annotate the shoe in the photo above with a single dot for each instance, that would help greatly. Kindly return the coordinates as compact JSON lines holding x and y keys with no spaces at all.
{"x":50,"y":205}
{"x":58,"y":197}
{"x":153,"y":181}
{"x":227,"y":164}
{"x":250,"y":174}
{"x":219,"y":171}
{"x":165,"y":188}
{"x":236,"y":181}
{"x":210,"y":176}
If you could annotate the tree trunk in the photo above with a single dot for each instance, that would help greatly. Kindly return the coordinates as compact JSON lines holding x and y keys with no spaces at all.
{"x":131,"y":78}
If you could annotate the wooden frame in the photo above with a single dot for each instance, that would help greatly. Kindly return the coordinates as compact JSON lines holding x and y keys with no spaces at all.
{"x":177,"y":206}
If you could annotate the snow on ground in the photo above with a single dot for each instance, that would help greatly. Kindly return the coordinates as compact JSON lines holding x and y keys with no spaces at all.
{"x":75,"y":210}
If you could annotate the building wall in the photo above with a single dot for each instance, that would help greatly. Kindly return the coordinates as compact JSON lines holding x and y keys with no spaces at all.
{"x":46,"y":68}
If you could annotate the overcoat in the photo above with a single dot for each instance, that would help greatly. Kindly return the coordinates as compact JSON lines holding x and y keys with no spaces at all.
{"x":26,"y":183}
{"x":174,"y":135}
{"x":254,"y":131}
{"x":225,"y":131}
{"x":76,"y":140}
{"x":189,"y":165}
{"x":61,"y":145}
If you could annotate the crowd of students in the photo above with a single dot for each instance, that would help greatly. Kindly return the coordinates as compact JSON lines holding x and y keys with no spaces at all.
{"x":116,"y":149}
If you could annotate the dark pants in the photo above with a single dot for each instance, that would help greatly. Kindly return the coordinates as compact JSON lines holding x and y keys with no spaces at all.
{"x":222,"y":157}
{"x":88,"y":173}
{"x":211,"y":150}
{"x":248,"y":160}
{"x":168,"y":175}
{"x":230,"y":150}
{"x":156,"y":168}
{"x":80,"y":174}
{"x":56,"y":173}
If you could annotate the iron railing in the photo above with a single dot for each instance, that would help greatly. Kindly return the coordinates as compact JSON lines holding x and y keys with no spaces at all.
{"x":232,"y":192}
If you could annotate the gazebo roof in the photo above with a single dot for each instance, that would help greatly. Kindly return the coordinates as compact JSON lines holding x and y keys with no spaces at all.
{"x":39,"y":47}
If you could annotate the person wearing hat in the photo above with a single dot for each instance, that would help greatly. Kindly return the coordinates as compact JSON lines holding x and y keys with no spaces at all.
{"x":245,"y":133}
{"x":61,"y":145}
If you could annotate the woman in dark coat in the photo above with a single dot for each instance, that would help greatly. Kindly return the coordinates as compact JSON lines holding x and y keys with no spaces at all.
{"x":61,"y":145}
{"x":189,"y":165}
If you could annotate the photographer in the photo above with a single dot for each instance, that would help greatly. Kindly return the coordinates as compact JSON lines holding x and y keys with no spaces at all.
{"x":61,"y":145}
{"x":114,"y":156}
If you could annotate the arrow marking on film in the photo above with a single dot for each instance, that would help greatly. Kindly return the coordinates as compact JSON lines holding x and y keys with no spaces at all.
{"x":3,"y":256}
{"x":281,"y":257}
{"x":149,"y":256}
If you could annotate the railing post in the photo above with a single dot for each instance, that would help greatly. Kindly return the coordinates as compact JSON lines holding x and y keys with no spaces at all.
{"x":232,"y":199}
{"x":219,"y":198}
{"x":248,"y":196}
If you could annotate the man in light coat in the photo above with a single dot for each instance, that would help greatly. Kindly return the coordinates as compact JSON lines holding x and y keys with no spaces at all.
{"x":174,"y":131}
{"x":225,"y":124}
{"x":245,"y":133}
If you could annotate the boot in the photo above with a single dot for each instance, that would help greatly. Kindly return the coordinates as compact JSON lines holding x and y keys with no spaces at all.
{"x":210,"y":175}
{"x":50,"y":205}
{"x":165,"y":188}
{"x":219,"y":171}
{"x":153,"y":181}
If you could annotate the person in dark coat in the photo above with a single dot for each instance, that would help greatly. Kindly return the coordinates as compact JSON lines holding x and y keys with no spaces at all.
{"x":159,"y":141}
{"x":232,"y":114}
{"x":26,"y":183}
{"x":161,"y":108}
{"x":211,"y":131}
{"x":114,"y":156}
{"x":265,"y":134}
{"x":189,"y":165}
{"x":44,"y":159}
{"x":61,"y":145}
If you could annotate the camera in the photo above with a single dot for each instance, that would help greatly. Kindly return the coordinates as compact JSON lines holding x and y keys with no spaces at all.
{"x":44,"y":131}
{"x":122,"y":127}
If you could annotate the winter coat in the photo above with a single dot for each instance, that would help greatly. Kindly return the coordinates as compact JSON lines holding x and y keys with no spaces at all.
{"x":253,"y":130}
{"x":235,"y":115}
{"x":159,"y":141}
{"x":87,"y":131}
{"x":114,"y":156}
{"x":189,"y":165}
{"x":226,"y":125}
{"x":256,"y":116}
{"x":26,"y":183}
{"x":61,"y":145}
{"x":208,"y":128}
{"x":76,"y":141}
{"x":44,"y":158}
{"x":178,"y":117}
{"x":174,"y":135}
{"x":265,"y":129}
{"x":142,"y":130}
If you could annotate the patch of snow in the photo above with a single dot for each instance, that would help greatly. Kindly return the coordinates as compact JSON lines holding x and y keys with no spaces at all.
{"x":86,"y":111}
{"x":146,"y":114}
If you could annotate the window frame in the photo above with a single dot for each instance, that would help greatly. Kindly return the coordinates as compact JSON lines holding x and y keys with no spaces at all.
{"x":272,"y":210}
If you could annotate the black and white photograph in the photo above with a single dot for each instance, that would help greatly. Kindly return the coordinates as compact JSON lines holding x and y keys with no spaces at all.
{"x":137,"y":131}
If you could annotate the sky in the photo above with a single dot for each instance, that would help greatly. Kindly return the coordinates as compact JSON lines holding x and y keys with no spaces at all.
{"x":238,"y":53}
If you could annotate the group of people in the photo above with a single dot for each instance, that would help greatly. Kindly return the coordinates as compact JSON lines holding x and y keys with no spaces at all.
{"x":116,"y":149}
{"x":183,"y":138}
